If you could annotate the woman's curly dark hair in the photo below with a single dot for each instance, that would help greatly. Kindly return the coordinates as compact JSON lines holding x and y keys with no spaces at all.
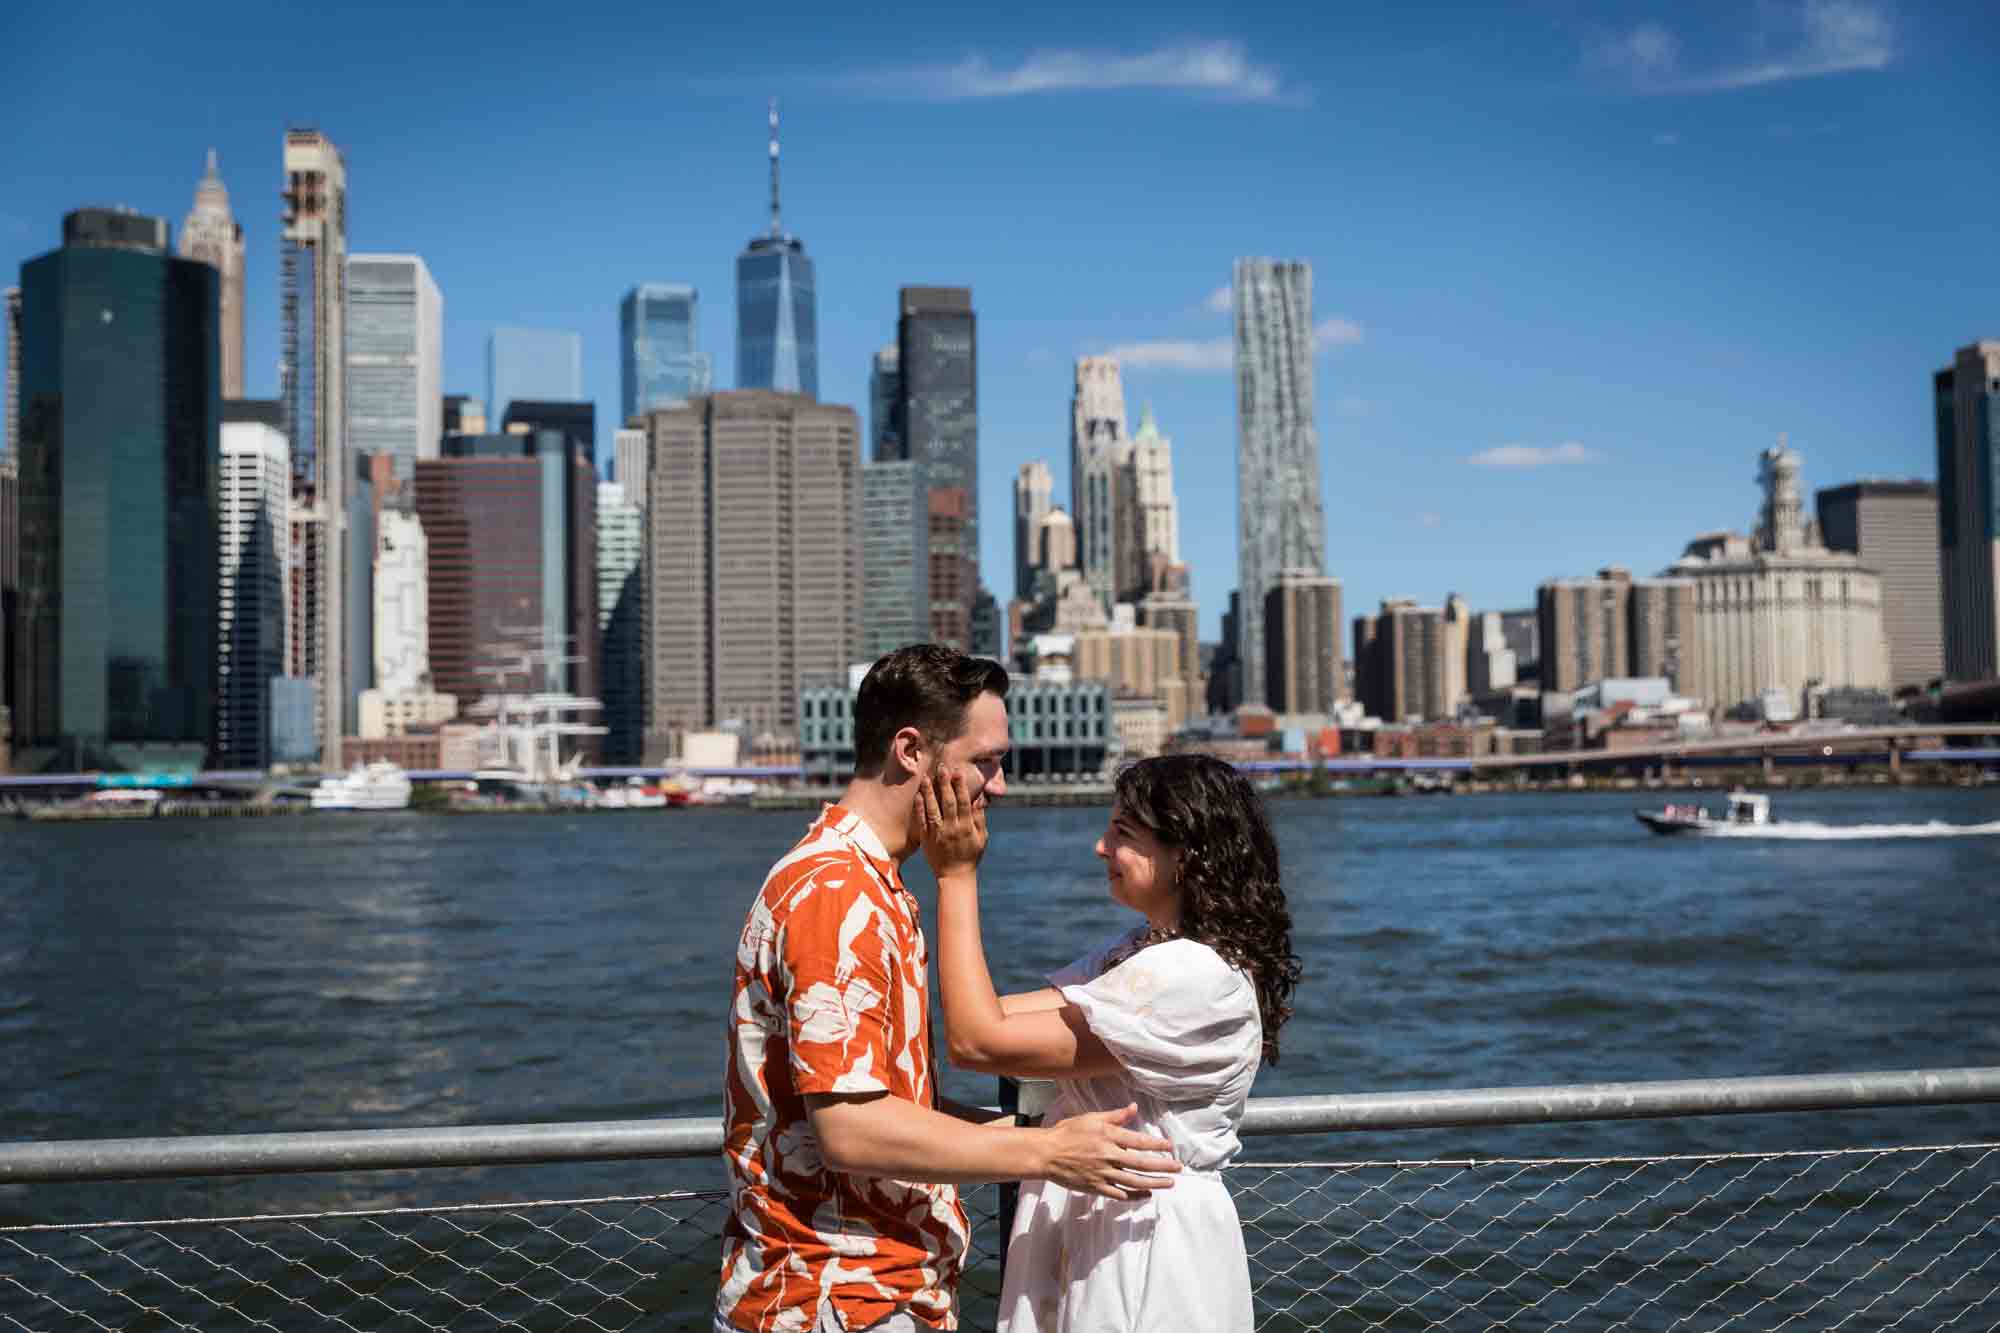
{"x":1231,"y":897}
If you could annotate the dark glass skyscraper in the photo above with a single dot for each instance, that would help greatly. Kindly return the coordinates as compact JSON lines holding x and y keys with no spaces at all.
{"x":777,"y":319}
{"x":937,"y":354}
{"x":120,"y":460}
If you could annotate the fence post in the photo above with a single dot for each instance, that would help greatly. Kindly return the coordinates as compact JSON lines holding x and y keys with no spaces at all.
{"x":1010,"y":1190}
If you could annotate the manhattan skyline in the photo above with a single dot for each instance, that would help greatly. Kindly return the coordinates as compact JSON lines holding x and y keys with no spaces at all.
{"x":1558,"y":305}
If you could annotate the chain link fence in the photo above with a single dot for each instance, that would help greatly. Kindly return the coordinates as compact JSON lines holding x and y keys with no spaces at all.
{"x":1847,"y":1238}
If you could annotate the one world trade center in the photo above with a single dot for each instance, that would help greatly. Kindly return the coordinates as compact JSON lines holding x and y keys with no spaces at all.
{"x":777,"y":326}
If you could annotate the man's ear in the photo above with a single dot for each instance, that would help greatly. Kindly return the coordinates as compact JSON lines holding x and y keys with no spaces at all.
{"x":908,"y":751}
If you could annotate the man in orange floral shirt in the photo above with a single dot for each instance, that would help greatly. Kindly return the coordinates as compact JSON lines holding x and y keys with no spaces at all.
{"x":843,"y":1162}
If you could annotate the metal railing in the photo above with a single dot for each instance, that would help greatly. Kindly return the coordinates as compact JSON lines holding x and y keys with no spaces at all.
{"x":1841,"y":1237}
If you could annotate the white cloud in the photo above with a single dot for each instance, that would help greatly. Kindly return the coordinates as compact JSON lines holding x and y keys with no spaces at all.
{"x":1203,"y":354}
{"x":1220,"y":301}
{"x":1666,"y":140}
{"x":1430,"y":520}
{"x":1336,"y":333}
{"x":1647,"y":52}
{"x":1818,"y":38}
{"x":1534,"y":455}
{"x":1222,"y":70}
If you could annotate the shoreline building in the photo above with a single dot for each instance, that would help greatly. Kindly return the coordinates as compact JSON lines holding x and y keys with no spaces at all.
{"x":510,"y":526}
{"x":1280,"y":524}
{"x":119,"y":490}
{"x":753,"y":564}
{"x":1779,"y":612}
{"x":1893,"y":527}
{"x":1302,"y":651}
{"x":256,"y":500}
{"x":777,"y":314}
{"x":312,"y":389}
{"x":395,"y":362}
{"x":1968,"y":451}
{"x":660,"y":361}
{"x":1410,"y":660}
{"x":212,"y":235}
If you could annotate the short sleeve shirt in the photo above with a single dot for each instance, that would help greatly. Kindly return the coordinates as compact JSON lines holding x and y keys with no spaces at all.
{"x":831,"y":995}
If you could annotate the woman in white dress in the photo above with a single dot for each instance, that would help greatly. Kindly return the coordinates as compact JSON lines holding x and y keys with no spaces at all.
{"x":1168,"y":1021}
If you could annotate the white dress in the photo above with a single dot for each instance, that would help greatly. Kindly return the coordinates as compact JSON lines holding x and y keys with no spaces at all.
{"x":1185,"y":1028}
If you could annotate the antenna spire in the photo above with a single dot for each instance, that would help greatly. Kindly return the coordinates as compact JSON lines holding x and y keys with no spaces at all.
{"x":776,"y":229}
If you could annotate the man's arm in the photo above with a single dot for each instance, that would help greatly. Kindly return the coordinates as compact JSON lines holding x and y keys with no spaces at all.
{"x":879,"y":1135}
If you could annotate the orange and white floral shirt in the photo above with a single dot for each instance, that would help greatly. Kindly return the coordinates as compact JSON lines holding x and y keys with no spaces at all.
{"x":832,"y":995}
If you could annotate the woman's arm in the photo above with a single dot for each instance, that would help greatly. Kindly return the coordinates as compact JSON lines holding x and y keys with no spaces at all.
{"x":1043,"y":1038}
{"x":1031,"y":1001}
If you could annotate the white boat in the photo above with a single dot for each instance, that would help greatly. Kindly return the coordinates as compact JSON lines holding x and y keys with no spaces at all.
{"x":1746,"y":809}
{"x":377,"y":786}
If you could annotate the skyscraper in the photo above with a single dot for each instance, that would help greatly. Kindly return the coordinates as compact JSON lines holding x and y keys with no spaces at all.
{"x":660,"y":361}
{"x":621,"y":622}
{"x":628,"y":462}
{"x":1302,"y":651}
{"x":938,"y":356}
{"x":753,"y":581}
{"x":895,"y":558}
{"x":254,"y":546}
{"x":1099,"y":454}
{"x":1662,"y":633}
{"x":402,"y":603}
{"x":1584,"y":630}
{"x":777,"y":316}
{"x":212,"y":235}
{"x":532,"y":365}
{"x":312,"y":389}
{"x":13,"y":437}
{"x":119,"y":461}
{"x":511,"y":525}
{"x":885,"y":396}
{"x":1156,"y":521}
{"x":1968,"y":452}
{"x":1279,"y":523}
{"x":395,"y":361}
{"x":1893,"y":527}
{"x":1033,"y":489}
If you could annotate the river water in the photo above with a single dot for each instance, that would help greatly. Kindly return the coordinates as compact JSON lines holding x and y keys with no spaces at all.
{"x":348,"y":972}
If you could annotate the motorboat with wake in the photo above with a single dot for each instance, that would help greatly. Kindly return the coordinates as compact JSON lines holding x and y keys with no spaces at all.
{"x":1746,"y":810}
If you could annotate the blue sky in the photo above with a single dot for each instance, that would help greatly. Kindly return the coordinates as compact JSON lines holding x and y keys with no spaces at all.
{"x":1577,"y":263}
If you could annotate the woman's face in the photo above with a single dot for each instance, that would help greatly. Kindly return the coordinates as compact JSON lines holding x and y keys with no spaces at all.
{"x":1144,"y":872}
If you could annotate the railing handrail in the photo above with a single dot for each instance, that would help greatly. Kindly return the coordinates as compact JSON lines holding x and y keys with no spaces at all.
{"x":633,"y":1140}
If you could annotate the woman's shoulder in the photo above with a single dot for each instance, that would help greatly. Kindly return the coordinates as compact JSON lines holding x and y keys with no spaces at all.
{"x":1191,"y":964}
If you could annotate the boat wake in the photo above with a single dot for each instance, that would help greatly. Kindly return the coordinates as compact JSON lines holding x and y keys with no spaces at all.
{"x":1810,"y":831}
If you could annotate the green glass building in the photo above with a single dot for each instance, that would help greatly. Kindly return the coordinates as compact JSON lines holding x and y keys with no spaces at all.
{"x":120,"y":459}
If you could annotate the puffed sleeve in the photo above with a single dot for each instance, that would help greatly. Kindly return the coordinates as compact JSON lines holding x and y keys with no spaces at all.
{"x":1181,"y":1021}
{"x":1090,"y":964}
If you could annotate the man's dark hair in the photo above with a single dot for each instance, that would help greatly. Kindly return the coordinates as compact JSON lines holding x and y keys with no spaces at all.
{"x":926,"y":686}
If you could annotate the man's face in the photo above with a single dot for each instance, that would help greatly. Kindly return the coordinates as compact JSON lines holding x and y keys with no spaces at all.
{"x":979,"y":752}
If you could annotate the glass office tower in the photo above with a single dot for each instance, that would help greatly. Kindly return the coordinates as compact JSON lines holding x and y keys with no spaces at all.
{"x":120,"y":462}
{"x":777,"y":318}
{"x":659,"y":348}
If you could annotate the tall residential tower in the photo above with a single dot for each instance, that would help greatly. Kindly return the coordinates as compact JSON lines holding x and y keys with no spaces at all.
{"x":1279,"y":525}
{"x":313,"y":392}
